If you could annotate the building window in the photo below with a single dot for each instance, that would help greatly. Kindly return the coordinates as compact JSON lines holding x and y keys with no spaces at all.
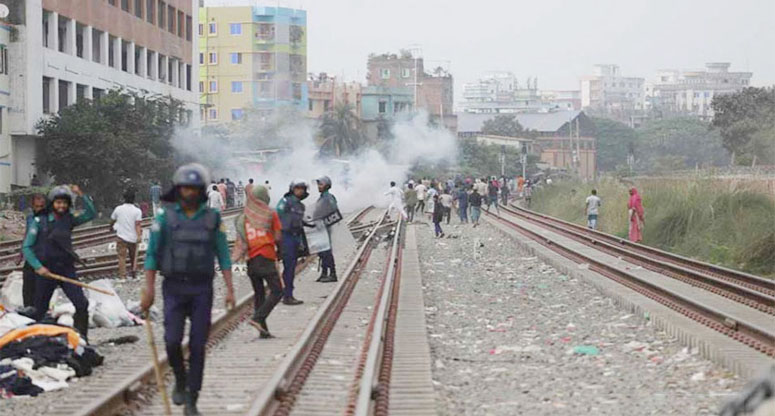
{"x":149,"y":7}
{"x":171,"y":19}
{"x":213,"y":86}
{"x":235,"y":28}
{"x":213,"y":28}
{"x":3,"y":59}
{"x":201,"y":29}
{"x":236,"y":113}
{"x":236,"y":58}
{"x":139,"y":8}
{"x":112,"y":2}
{"x":201,"y":86}
{"x":213,"y":114}
{"x":46,"y":95}
{"x":162,"y":13}
{"x":189,"y":22}
{"x":213,"y":58}
{"x":382,"y":107}
{"x":406,"y":72}
{"x":236,"y":86}
{"x":385,"y":73}
{"x":125,"y":5}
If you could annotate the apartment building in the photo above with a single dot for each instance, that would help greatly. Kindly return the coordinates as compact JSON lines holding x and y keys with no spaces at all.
{"x":608,"y":91}
{"x":251,"y":57}
{"x":691,"y":92}
{"x":66,"y":50}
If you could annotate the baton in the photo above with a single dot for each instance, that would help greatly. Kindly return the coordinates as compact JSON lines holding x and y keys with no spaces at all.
{"x":156,"y":366}
{"x":77,"y":283}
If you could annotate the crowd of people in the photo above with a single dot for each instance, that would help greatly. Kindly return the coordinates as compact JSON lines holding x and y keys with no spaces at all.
{"x":437,"y":199}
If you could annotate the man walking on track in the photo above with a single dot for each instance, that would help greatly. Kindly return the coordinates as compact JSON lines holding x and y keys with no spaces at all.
{"x":593,"y":203}
{"x":396,"y":200}
{"x":126,"y":220}
{"x":186,"y":237}
{"x":48,"y":248}
{"x":260,"y":233}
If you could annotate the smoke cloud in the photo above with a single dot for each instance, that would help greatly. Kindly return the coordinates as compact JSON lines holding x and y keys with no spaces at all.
{"x":358,"y":180}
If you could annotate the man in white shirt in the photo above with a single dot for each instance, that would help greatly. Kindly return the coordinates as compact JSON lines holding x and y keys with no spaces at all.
{"x":396,"y":200}
{"x":126,"y":220}
{"x":421,"y":195}
{"x":593,"y":203}
{"x":215,"y":199}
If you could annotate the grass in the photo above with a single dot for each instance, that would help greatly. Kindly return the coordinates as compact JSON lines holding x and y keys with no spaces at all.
{"x":697,"y":218}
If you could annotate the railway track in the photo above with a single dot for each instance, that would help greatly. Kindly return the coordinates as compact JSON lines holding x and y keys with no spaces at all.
{"x":130,"y":387}
{"x":650,"y":273}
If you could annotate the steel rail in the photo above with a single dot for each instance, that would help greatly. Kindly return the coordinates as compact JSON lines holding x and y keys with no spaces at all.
{"x":757,"y":337}
{"x":369,"y":381}
{"x":760,"y":299}
{"x":295,"y":364}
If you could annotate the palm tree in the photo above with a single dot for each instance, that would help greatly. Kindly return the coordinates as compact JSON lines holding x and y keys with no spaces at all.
{"x":341,"y":131}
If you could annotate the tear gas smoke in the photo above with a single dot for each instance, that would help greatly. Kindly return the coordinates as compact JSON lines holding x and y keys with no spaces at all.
{"x":358,"y":180}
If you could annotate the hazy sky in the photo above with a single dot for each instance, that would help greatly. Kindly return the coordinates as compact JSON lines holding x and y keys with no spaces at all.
{"x":558,"y":41}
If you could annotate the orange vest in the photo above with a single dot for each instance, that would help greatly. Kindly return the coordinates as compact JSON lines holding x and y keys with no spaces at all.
{"x":258,"y":239}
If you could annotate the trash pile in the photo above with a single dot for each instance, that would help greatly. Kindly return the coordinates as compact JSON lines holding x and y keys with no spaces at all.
{"x":43,"y":356}
{"x":12,"y":224}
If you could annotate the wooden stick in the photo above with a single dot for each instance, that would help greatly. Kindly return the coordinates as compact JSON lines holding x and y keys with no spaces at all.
{"x":77,"y":283}
{"x":156,"y":366}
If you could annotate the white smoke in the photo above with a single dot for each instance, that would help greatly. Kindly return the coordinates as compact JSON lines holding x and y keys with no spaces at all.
{"x":358,"y":181}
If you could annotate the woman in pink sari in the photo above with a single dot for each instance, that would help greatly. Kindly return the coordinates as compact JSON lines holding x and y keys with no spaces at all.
{"x":636,"y":215}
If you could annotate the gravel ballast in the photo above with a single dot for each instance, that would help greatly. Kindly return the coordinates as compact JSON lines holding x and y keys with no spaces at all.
{"x":511,"y":335}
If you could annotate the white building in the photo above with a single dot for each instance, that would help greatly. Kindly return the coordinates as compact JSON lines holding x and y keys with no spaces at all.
{"x":607,"y":91}
{"x":501,"y":92}
{"x":5,"y":137}
{"x":691,"y":92}
{"x":66,"y":50}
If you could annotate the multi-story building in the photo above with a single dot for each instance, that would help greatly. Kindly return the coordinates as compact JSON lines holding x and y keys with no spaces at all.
{"x":607,"y":91}
{"x":381,"y":106}
{"x":61,"y":51}
{"x":431,"y":91}
{"x":251,"y":57}
{"x":691,"y":92}
{"x":6,"y":164}
{"x":561,"y":99}
{"x":501,"y":92}
{"x":325,"y":93}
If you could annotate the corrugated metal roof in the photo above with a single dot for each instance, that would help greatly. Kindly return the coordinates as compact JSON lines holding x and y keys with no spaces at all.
{"x":540,"y":122}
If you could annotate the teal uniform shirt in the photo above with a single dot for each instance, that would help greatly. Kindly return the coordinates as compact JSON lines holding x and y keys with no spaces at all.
{"x":87,"y":215}
{"x":152,"y":254}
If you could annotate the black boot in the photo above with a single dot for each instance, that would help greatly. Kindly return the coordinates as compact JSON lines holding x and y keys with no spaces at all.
{"x":179,"y":393}
{"x":191,"y":399}
{"x":81,"y":324}
{"x":330,"y":278}
{"x":323,"y":276}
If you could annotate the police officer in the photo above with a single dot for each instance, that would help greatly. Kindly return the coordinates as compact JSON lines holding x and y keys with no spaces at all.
{"x":48,"y":247}
{"x":325,"y":207}
{"x":186,"y":237}
{"x":291,"y":212}
{"x":29,"y":280}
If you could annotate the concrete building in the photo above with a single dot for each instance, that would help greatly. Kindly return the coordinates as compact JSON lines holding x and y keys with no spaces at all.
{"x":561,"y":99}
{"x":432,"y":91}
{"x":251,"y":57}
{"x":606,"y":91}
{"x":325,"y":93}
{"x":65,"y":50}
{"x":501,"y":92}
{"x":6,"y":165}
{"x":564,"y":140}
{"x":691,"y":92}
{"x":381,"y":106}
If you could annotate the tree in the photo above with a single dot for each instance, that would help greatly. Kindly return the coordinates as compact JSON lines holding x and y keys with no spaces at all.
{"x":679,"y":143}
{"x":341,"y":131}
{"x":106,"y":145}
{"x":615,"y":141}
{"x":740,"y":116}
{"x":504,"y":125}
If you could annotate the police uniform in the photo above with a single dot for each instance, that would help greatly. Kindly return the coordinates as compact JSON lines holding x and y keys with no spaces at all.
{"x":326,"y":209}
{"x":184,"y":250}
{"x":49,"y":243}
{"x":291,"y":212}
